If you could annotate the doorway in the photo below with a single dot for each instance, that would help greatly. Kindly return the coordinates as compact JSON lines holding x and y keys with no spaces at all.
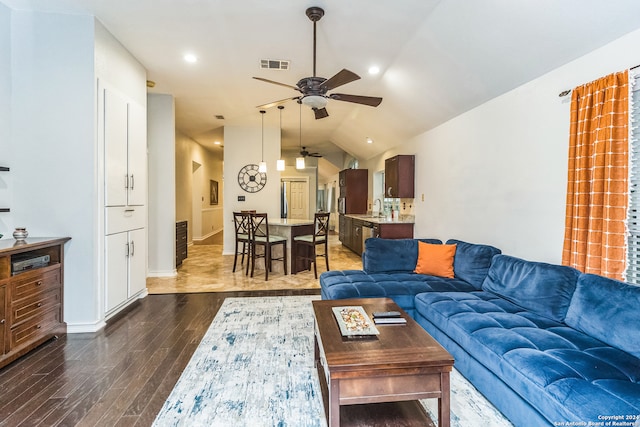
{"x":294,"y":198}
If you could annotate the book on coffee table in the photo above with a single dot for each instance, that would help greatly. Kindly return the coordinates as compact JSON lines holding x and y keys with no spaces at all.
{"x":389,"y":320}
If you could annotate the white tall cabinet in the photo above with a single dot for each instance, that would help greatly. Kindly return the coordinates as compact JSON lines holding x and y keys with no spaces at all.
{"x":124,"y":127}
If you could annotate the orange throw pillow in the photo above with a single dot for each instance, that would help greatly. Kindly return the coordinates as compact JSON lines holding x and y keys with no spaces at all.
{"x":435,"y":260}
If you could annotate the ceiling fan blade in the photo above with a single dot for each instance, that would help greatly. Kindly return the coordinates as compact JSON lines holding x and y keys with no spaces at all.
{"x":358,"y":99}
{"x":315,"y":155}
{"x":320,"y":113}
{"x":342,"y":78}
{"x":277,"y":83}
{"x":274,"y":103}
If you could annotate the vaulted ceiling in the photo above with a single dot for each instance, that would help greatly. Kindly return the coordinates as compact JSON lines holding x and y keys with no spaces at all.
{"x":437,"y":58}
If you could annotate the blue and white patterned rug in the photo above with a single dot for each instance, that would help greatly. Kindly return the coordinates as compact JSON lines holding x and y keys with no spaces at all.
{"x":254,"y":367}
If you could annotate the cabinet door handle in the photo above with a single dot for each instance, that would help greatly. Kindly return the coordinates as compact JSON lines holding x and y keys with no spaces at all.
{"x":126,"y":181}
{"x":127,"y":252}
{"x":133,"y":248}
{"x":1,"y":321}
{"x":132,"y":182}
{"x":389,"y":191}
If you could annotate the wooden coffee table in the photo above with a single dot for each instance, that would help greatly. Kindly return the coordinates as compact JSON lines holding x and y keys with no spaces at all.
{"x":402,"y":363}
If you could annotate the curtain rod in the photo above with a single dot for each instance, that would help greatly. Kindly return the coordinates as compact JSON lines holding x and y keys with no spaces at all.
{"x":567,"y":92}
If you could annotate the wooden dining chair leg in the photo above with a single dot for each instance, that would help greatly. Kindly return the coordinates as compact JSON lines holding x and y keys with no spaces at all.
{"x":251,"y":259}
{"x":315,"y":261}
{"x":326,"y":254}
{"x":267,"y":261}
{"x":284,"y":257}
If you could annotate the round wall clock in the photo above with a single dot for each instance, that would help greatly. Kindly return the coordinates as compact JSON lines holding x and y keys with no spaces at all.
{"x":250,"y":180}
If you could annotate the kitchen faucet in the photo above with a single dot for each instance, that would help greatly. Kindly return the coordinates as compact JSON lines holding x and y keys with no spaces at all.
{"x":374,"y":206}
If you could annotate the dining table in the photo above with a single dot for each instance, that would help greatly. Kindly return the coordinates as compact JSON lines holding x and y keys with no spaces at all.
{"x":290,"y":228}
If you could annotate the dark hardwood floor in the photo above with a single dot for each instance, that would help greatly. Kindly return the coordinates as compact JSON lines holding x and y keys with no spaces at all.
{"x":120,"y":376}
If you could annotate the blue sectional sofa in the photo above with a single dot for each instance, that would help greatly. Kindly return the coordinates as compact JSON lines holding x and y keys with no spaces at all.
{"x":546,"y":344}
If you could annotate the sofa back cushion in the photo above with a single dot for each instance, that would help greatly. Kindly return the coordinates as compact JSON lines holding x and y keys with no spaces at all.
{"x":608,"y":310}
{"x":545,"y":289}
{"x":472,"y":261}
{"x":391,"y":255}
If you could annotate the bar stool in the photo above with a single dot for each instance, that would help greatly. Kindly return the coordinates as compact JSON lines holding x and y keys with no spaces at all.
{"x":241,"y":222}
{"x":319,"y":237}
{"x":259,"y":236}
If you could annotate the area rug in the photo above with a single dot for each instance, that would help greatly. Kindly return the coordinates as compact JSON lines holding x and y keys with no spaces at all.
{"x":254,"y":367}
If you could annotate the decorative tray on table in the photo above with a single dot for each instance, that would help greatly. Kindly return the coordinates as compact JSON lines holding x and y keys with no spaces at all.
{"x":354,"y":322}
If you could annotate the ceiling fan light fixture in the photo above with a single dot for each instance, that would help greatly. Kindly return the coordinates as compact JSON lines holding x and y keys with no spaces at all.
{"x":299,"y":162}
{"x":315,"y":101}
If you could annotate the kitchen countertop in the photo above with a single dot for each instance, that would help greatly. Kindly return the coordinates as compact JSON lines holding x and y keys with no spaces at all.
{"x":404,"y":219}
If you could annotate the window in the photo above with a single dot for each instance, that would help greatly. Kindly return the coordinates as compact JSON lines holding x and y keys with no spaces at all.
{"x":633,"y":221}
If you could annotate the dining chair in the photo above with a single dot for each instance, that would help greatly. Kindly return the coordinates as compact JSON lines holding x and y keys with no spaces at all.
{"x":241,"y":223}
{"x":312,"y":241}
{"x":259,"y":236}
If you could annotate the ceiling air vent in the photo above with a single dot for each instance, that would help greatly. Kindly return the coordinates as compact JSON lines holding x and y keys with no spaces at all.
{"x":219,"y":117}
{"x":274,"y":64}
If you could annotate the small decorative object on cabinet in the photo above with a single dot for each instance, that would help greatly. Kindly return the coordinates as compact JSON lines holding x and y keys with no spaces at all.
{"x":20,"y":233}
{"x":399,"y":177}
{"x":181,"y":242}
{"x":31,"y":295}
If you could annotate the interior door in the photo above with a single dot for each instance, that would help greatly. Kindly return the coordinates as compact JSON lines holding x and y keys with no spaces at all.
{"x":299,"y":200}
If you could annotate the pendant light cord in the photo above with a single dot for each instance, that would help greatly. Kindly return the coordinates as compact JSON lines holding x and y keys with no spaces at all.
{"x":262,"y":155}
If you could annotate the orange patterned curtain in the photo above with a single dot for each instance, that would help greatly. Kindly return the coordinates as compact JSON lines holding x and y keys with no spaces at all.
{"x":597,"y":188}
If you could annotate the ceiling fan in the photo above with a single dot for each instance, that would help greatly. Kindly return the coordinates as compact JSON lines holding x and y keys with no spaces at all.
{"x":314,"y":89}
{"x":305,"y":153}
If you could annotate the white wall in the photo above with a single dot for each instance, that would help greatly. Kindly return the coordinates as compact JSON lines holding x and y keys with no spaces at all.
{"x":497,"y":174}
{"x":162,"y":189}
{"x":242,"y":146}
{"x":53,"y":141}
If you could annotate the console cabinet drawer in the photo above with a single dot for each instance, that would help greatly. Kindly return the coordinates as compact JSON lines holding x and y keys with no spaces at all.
{"x":37,"y":326}
{"x":34,"y":284}
{"x":34,"y":306}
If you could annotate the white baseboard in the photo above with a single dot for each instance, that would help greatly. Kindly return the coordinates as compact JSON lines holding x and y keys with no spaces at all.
{"x":167,"y":273}
{"x":83,"y":328}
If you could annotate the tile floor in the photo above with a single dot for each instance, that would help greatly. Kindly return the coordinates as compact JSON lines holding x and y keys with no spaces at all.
{"x":207,"y":270}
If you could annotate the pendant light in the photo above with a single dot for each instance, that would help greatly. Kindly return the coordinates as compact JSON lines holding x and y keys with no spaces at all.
{"x":300,"y":160}
{"x":280,"y":162}
{"x":262,"y":166}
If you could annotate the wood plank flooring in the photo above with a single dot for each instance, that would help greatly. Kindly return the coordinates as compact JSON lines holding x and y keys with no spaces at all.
{"x":121,"y":375}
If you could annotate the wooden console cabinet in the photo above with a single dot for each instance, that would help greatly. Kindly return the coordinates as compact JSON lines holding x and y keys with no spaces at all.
{"x":31,"y":301}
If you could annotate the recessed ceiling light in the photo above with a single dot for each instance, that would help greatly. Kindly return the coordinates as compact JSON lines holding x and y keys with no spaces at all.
{"x":216,"y":142}
{"x":374,"y":69}
{"x":369,"y":141}
{"x":191,"y":58}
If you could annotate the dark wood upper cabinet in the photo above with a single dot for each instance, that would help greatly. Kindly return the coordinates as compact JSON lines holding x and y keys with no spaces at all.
{"x":399,"y":176}
{"x":354,"y":190}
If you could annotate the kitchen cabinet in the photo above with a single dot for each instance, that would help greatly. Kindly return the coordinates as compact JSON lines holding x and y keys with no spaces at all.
{"x":31,"y":300}
{"x":350,"y":233}
{"x":354,"y":190}
{"x":393,"y":231}
{"x":399,"y":174}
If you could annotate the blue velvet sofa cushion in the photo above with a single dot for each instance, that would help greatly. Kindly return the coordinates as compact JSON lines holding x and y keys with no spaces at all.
{"x":472,"y":261}
{"x":391,"y":255}
{"x":568,"y":376}
{"x":608,"y":310}
{"x":545,"y":289}
{"x":401,"y":287}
